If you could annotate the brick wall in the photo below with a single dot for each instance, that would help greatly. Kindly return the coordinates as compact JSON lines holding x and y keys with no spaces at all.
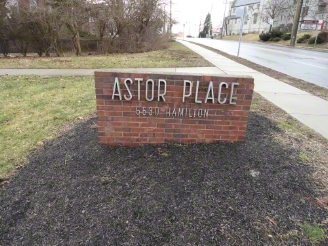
{"x":176,"y":108}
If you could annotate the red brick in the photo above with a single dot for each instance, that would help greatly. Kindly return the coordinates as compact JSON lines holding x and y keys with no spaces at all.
{"x":173,"y":130}
{"x":164,"y":135}
{"x":118,"y":123}
{"x":100,"y":102}
{"x":130,"y":134}
{"x":138,"y":129}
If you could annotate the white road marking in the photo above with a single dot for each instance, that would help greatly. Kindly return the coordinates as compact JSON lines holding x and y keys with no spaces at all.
{"x":309,"y":64}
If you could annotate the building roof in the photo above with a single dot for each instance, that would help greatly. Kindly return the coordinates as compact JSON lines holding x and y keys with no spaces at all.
{"x":238,"y":3}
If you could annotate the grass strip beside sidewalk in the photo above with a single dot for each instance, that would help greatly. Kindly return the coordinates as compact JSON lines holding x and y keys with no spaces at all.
{"x":175,"y":55}
{"x":33,"y":108}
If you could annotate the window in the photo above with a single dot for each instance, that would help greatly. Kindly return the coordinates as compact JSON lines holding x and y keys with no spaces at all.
{"x":233,"y":11}
{"x":321,"y":9}
{"x":246,"y":19}
{"x":305,"y":11}
{"x":255,"y":18}
{"x":236,"y":21}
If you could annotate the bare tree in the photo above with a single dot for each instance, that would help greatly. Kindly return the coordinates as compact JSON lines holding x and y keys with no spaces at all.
{"x":118,"y":25}
{"x":128,"y":25}
{"x":273,"y":9}
{"x":74,"y":13}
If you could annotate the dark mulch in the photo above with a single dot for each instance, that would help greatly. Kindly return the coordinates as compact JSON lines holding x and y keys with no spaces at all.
{"x":74,"y":191}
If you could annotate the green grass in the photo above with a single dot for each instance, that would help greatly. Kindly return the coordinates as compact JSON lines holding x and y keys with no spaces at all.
{"x":303,"y":156}
{"x":176,"y":55}
{"x":285,"y":125}
{"x":33,"y":108}
{"x":313,"y":232}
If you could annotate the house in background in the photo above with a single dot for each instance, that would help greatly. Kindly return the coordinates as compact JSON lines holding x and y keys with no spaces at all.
{"x":216,"y":31}
{"x":253,"y":22}
{"x":258,"y":21}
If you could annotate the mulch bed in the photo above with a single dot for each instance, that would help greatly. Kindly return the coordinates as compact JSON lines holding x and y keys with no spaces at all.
{"x":74,"y":191}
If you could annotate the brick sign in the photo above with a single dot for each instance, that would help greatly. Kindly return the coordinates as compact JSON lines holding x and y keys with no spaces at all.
{"x":145,"y":108}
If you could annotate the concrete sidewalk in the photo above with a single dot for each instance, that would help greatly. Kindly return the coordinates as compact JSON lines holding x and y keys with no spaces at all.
{"x":308,"y":109}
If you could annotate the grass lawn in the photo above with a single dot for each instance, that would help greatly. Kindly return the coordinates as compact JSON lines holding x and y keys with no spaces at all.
{"x":33,"y":108}
{"x":176,"y":55}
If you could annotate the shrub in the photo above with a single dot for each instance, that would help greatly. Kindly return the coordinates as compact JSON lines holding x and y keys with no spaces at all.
{"x":276,"y":33}
{"x":306,"y":36}
{"x":276,"y":39}
{"x":312,"y":40}
{"x":286,"y":36}
{"x":324,"y":36}
{"x":265,"y":36}
{"x":320,"y":40}
{"x":300,"y":40}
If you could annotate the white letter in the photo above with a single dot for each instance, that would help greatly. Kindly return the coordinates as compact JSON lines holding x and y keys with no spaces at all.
{"x":210,"y":89}
{"x":220,"y":88}
{"x":184,"y":89}
{"x":128,"y":89}
{"x":159,"y":89}
{"x":139,"y":81}
{"x":231,"y":92}
{"x":117,"y":86}
{"x":152,"y":90}
{"x":196,"y":96}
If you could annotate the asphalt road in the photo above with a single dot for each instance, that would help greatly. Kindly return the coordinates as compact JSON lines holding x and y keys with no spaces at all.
{"x":308,"y":65}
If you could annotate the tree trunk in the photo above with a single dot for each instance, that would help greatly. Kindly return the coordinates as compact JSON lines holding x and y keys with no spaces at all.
{"x":25,"y":50}
{"x":102,"y":28}
{"x":76,"y":43}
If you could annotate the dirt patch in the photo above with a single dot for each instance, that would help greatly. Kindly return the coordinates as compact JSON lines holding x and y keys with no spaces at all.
{"x":259,"y":192}
{"x":298,"y":83}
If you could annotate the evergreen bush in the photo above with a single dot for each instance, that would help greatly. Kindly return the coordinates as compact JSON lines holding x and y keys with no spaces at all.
{"x":265,"y":36}
{"x":320,"y":40}
{"x":286,"y":36}
{"x":323,"y":36}
{"x":306,"y":36}
{"x":276,"y":33}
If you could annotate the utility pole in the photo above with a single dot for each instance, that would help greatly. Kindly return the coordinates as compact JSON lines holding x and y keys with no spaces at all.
{"x":223,"y":21}
{"x":296,"y":22}
{"x":164,"y":28}
{"x":170,"y":28}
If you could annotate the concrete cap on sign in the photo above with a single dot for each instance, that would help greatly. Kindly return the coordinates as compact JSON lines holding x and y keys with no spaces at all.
{"x":241,"y":12}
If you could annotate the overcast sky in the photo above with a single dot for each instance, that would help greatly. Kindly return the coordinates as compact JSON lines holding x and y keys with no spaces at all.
{"x":192,"y":12}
